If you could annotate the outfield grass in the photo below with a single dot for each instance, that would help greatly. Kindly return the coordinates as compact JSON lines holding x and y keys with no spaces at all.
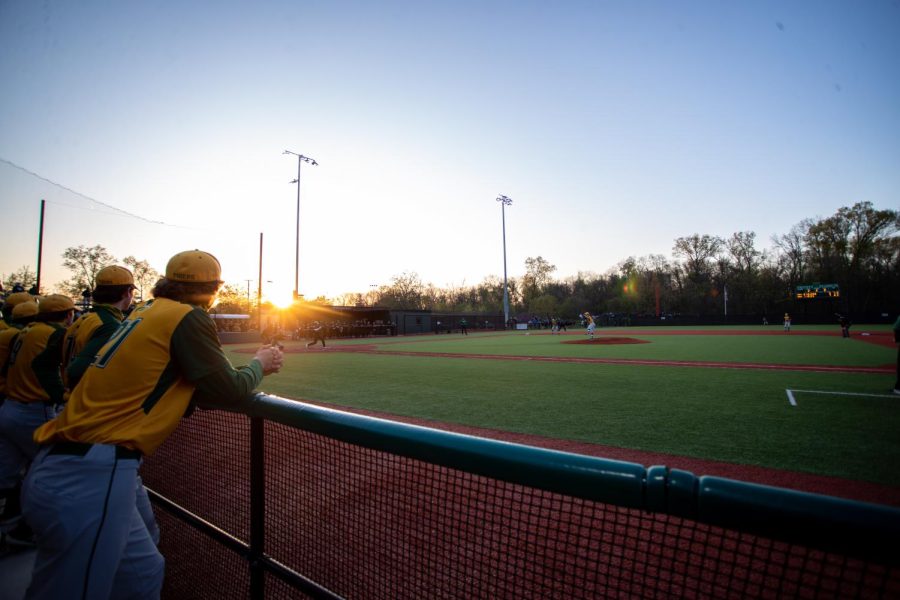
{"x":788,"y":349}
{"x":735,"y":415}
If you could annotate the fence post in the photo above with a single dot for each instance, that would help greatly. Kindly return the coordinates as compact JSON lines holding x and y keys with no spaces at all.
{"x":257,"y":507}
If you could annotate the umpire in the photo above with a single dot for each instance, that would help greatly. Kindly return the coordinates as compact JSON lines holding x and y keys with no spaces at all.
{"x":79,"y":496}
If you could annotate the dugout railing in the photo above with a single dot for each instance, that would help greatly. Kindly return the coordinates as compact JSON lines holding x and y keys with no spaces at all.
{"x":303,"y":501}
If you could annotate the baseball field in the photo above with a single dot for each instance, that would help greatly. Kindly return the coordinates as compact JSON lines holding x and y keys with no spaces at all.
{"x":807,"y":409}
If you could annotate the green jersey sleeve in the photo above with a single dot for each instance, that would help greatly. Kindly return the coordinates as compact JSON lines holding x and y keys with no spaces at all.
{"x":46,"y":366}
{"x":198,"y":354}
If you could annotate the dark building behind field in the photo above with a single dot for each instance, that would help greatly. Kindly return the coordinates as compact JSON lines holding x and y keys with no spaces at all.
{"x":386,"y":321}
{"x":364,"y":321}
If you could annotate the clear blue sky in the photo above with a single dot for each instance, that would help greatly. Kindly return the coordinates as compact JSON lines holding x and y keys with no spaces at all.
{"x":614,"y":126}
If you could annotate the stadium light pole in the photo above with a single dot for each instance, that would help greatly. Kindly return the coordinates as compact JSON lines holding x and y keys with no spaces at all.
{"x":300,"y":160}
{"x":504,"y":202}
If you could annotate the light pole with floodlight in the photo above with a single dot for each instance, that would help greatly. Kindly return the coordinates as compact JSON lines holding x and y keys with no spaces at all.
{"x":300,"y":160}
{"x":504,"y":202}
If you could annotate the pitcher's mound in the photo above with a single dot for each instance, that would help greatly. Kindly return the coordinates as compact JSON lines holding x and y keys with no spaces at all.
{"x":608,"y":341}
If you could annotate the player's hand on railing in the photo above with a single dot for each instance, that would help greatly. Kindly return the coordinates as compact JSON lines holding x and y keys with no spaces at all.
{"x":271,"y":358}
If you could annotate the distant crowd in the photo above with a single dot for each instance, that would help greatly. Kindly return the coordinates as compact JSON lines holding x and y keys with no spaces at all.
{"x":331,"y":329}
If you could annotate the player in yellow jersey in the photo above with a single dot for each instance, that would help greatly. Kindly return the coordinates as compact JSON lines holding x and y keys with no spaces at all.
{"x":22,"y":314}
{"x":112,"y":295}
{"x":10,"y":303}
{"x":589,"y":320}
{"x":33,"y":389}
{"x":164,"y":356}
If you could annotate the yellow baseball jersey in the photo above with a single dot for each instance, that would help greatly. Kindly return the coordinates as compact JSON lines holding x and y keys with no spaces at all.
{"x":142,"y":380}
{"x":84,"y":338}
{"x":6,"y":338}
{"x":589,"y":318}
{"x":34,"y":359}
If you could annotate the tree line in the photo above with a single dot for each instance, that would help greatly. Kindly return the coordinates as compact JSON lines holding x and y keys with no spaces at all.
{"x":83,"y":263}
{"x":857,"y":248}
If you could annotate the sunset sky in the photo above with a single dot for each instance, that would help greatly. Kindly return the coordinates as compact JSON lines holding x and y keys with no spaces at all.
{"x":615,"y":127}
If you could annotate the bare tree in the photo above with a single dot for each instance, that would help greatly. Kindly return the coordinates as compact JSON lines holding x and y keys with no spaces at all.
{"x":405,"y":291}
{"x":84,"y":263}
{"x":697,"y":251}
{"x":24,"y":277}
{"x":744,"y":255}
{"x":792,"y":255}
{"x":145,"y":276}
{"x":538,"y":271}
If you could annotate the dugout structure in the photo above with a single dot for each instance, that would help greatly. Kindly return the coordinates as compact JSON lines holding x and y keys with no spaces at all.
{"x":396,"y":321}
{"x":302,"y":501}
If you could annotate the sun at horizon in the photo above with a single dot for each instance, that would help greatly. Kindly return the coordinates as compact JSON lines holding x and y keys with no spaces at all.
{"x":280,"y":297}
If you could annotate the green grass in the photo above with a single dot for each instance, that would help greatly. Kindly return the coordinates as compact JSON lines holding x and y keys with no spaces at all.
{"x":735,"y":415}
{"x":788,"y":349}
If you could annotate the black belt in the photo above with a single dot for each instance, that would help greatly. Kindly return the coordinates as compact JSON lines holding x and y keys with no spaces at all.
{"x":44,"y":402}
{"x":80,"y":449}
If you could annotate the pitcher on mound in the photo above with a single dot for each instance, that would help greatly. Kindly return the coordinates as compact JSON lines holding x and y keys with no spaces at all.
{"x":590,"y":324}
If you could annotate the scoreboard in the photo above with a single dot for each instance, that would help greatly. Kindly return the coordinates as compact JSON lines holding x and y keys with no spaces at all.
{"x":818,"y":291}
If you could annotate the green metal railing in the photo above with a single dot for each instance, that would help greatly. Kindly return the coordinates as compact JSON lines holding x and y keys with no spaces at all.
{"x":669,"y":508}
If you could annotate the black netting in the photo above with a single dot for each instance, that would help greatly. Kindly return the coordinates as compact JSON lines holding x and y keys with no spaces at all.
{"x":204,"y":466}
{"x":197,"y":566}
{"x":369,"y":524}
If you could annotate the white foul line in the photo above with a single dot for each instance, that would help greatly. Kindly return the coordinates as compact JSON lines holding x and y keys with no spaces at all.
{"x":793,"y":401}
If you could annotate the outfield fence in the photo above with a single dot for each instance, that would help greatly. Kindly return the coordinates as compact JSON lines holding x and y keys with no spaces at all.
{"x":302,"y":501}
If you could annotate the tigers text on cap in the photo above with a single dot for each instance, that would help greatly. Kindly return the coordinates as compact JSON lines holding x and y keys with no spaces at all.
{"x":55,"y":303}
{"x":114,"y":275}
{"x":18,"y":298}
{"x":193,"y":266}
{"x":25,"y":309}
